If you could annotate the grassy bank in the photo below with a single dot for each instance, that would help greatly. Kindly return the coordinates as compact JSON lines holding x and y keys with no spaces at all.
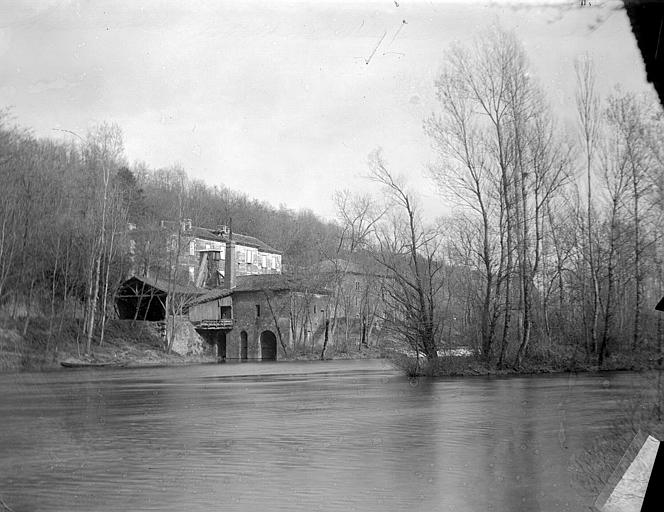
{"x":455,"y":366}
{"x":44,"y":345}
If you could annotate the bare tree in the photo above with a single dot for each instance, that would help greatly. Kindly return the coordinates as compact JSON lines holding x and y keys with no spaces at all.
{"x":500,"y":160}
{"x":588,"y":109}
{"x":102,"y":151}
{"x":627,"y":114}
{"x":409,"y":253}
{"x":616,"y":182}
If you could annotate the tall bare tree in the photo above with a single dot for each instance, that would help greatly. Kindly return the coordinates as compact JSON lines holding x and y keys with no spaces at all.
{"x":409,"y":253}
{"x":588,"y":110}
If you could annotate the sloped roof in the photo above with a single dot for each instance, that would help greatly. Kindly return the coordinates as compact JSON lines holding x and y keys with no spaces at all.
{"x":275,"y":282}
{"x":272,"y":282}
{"x":163,"y":285}
{"x":216,"y":236}
{"x":244,"y":284}
{"x":210,"y":295}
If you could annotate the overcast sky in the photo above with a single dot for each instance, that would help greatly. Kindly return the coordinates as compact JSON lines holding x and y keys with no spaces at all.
{"x":283,"y":101}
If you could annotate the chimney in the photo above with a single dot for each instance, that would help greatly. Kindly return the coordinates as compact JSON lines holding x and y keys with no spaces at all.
{"x":230,"y":267}
{"x":213,"y":269}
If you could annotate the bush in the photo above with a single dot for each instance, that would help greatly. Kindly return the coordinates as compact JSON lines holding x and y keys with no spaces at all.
{"x":442,"y":366}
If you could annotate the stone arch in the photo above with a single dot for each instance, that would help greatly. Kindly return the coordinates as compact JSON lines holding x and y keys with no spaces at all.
{"x":243,"y":345}
{"x":268,"y":346}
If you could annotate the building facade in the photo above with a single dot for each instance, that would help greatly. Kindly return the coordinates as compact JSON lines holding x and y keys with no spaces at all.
{"x":200,"y":253}
{"x":262,"y":317}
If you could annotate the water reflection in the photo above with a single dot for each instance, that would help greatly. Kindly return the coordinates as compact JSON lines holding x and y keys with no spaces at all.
{"x":330,"y":437}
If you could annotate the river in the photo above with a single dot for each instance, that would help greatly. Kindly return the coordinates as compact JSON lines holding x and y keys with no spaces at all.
{"x":337,"y":435}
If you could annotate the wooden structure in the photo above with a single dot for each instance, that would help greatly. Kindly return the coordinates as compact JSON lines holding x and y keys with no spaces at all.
{"x":144,"y":298}
{"x":212,"y":311}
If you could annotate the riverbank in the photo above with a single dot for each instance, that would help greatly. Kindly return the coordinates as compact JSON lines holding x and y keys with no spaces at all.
{"x":44,"y":345}
{"x":472,"y":366}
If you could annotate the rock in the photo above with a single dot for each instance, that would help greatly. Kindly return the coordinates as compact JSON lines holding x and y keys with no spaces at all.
{"x":187,"y":341}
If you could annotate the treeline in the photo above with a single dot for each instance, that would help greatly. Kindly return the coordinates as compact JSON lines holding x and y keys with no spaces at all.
{"x":64,"y":214}
{"x":553,"y":249}
{"x":169,"y":194}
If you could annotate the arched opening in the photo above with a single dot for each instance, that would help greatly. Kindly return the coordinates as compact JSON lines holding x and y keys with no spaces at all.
{"x":243,"y":345}
{"x":216,"y":340}
{"x":221,"y":346}
{"x":268,"y":346}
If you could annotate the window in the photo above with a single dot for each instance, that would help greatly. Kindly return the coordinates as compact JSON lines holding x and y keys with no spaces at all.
{"x":250,"y":257}
{"x":258,"y":310}
{"x":192,"y":248}
{"x":207,"y":247}
{"x":192,"y":274}
{"x":273,"y":262}
{"x":264,"y":261}
{"x":357,"y":286}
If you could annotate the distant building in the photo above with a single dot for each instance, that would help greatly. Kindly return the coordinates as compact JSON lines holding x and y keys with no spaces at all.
{"x":245,"y":316}
{"x":261,"y":317}
{"x":201,"y":253}
{"x":359,"y":307}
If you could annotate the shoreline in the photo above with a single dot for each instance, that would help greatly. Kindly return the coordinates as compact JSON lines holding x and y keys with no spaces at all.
{"x":473,"y":367}
{"x":466,"y":372}
{"x":135,"y":345}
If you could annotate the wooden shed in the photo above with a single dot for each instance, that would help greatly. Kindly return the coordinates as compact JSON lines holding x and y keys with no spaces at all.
{"x":144,"y":298}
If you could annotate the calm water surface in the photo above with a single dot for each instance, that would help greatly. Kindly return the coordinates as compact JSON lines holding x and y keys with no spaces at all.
{"x":336,"y":435}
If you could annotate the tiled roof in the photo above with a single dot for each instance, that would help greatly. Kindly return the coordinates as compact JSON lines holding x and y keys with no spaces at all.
{"x":259,"y":282}
{"x":214,"y":235}
{"x":263,"y":282}
{"x":214,"y":294}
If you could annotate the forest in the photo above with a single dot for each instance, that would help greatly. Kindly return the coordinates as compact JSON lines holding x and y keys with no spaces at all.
{"x":550,"y":251}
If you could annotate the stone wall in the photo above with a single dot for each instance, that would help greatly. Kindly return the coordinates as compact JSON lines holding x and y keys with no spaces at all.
{"x":257,"y":311}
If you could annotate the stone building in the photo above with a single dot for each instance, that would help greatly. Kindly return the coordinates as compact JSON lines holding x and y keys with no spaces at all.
{"x":357,"y":304}
{"x":200,"y":253}
{"x":263,"y":316}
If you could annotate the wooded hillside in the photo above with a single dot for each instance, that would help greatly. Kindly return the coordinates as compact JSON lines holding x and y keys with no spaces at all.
{"x":552,"y":248}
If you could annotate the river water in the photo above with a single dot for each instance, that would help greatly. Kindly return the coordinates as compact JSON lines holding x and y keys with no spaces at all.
{"x":338,"y":435}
